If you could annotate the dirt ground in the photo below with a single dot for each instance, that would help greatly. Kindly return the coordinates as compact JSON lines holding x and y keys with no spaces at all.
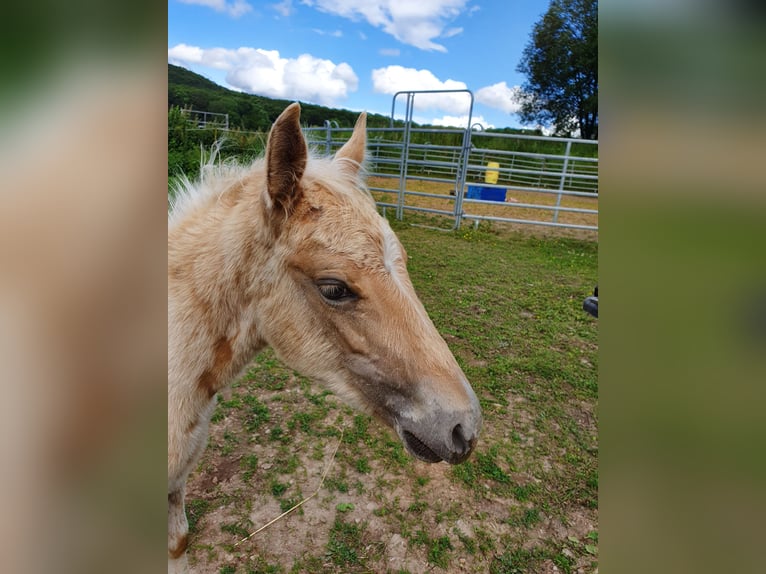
{"x":386,"y":500}
{"x":525,"y":502}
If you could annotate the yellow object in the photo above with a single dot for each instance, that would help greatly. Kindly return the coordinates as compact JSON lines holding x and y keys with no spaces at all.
{"x":491,"y":175}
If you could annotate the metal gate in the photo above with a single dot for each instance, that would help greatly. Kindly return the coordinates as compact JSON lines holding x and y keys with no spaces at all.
{"x":535,"y":179}
{"x":459,"y":161}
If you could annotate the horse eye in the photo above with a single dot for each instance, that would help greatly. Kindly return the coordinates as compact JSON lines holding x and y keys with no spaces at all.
{"x":334,"y":290}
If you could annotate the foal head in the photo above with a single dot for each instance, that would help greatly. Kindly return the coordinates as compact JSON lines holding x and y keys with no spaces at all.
{"x":340,"y":306}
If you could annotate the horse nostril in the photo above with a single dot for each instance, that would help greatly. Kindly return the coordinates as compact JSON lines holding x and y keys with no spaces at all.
{"x":459,"y":442}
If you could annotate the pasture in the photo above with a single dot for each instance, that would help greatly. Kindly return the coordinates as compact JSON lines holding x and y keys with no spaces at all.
{"x":510,"y":308}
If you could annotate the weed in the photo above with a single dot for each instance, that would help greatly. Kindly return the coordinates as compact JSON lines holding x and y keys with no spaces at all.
{"x":235,"y":402}
{"x":417,"y":507}
{"x":438,"y":552}
{"x":287,"y":465}
{"x":468,"y":543}
{"x":451,"y":514}
{"x":260,"y":566}
{"x":195,"y":509}
{"x":249,"y":464}
{"x":487,"y":467}
{"x":286,"y":504}
{"x":393,"y":452}
{"x":517,"y":561}
{"x":522,"y":492}
{"x":563,"y":562}
{"x":218,"y":416}
{"x":258,"y":414}
{"x":529,"y":517}
{"x":363,"y":465}
{"x":236,"y":529}
{"x":358,"y":431}
{"x":465,"y":473}
{"x":278,"y":434}
{"x":420,"y":537}
{"x":345,"y":543}
{"x":277,"y":488}
{"x":339,"y":484}
{"x":230,"y":442}
{"x":485,"y":541}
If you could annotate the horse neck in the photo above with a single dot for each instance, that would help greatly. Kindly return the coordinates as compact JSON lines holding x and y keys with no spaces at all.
{"x":217,"y":251}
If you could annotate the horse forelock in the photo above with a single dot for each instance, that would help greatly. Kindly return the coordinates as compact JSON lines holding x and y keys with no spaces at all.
{"x":342,"y":176}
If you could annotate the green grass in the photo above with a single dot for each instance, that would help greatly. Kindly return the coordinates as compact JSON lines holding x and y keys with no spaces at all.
{"x":438,"y":552}
{"x":527,"y":518}
{"x":195,"y":509}
{"x":345,"y":545}
{"x":510,"y":308}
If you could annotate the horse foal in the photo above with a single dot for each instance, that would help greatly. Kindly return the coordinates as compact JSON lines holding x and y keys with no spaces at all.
{"x":291,"y":252}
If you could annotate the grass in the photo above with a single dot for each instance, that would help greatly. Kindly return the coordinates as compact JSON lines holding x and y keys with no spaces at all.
{"x":349,"y":548}
{"x":509,"y":306}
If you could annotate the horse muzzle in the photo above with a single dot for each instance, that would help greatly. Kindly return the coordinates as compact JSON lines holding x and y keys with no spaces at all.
{"x":441,"y":436}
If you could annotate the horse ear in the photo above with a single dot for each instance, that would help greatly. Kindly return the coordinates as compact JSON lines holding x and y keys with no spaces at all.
{"x":353,"y":150}
{"x":286,"y":156}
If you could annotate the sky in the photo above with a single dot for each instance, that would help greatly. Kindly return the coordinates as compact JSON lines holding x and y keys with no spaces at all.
{"x":356,"y":54}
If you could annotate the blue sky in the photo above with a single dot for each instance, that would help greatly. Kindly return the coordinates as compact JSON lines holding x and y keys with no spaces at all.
{"x":356,"y":54}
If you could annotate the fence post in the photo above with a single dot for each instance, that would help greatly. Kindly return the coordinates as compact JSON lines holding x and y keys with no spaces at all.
{"x":405,"y":156}
{"x":328,"y":137}
{"x":562,"y":181}
{"x":461,"y":177}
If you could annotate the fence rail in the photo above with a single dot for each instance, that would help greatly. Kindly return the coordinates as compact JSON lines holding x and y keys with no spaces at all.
{"x":206,"y":120}
{"x":483,"y":176}
{"x":466,"y":174}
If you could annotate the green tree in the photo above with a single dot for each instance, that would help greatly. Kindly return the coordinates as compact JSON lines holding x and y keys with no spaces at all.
{"x":561,"y":65}
{"x":177,"y":127}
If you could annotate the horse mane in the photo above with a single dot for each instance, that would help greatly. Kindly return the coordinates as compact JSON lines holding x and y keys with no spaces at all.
{"x":218,"y":175}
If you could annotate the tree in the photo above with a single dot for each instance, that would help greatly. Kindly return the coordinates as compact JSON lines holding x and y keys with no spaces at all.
{"x":561,"y":66}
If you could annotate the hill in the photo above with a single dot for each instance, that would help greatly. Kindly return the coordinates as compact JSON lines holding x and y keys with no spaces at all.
{"x":251,"y":116}
{"x":257,"y":113}
{"x":248,"y":111}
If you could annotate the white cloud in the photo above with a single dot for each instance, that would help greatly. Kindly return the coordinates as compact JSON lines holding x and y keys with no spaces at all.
{"x":181,"y":53}
{"x":285,"y":8}
{"x":234,"y":9}
{"x":266,"y":73}
{"x":546,"y":130}
{"x":460,"y":121}
{"x":334,"y":33}
{"x":414,"y":22}
{"x":392,"y":79}
{"x":389,"y":52}
{"x":500,"y":97}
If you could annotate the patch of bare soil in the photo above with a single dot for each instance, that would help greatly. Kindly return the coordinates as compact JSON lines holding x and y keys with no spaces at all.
{"x":400,"y":509}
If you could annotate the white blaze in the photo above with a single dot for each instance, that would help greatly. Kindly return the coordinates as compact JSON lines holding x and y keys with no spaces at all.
{"x":391,"y":254}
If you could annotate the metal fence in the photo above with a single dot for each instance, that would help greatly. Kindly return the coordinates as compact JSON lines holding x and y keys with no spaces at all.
{"x":474,"y":175}
{"x":468,"y":174}
{"x":206,"y":120}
